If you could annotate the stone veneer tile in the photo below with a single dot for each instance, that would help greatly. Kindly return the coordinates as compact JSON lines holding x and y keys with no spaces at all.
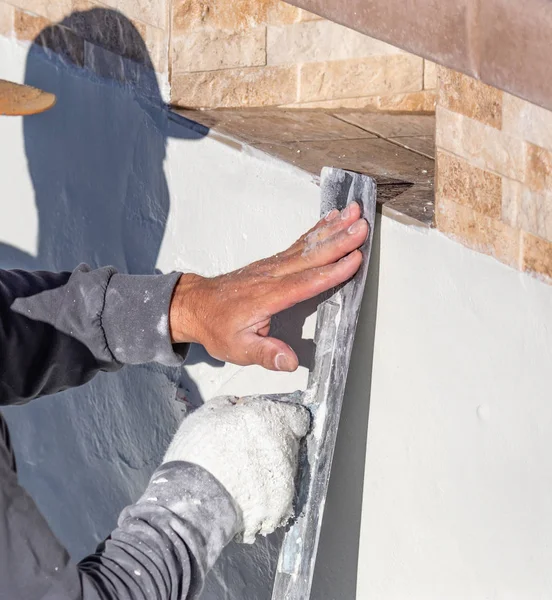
{"x":151,"y":12}
{"x":537,"y":256}
{"x":27,"y":26}
{"x":430,"y":75}
{"x":483,"y":146}
{"x":212,"y":50}
{"x":467,"y":96}
{"x":53,"y":10}
{"x":219,"y":15}
{"x":374,"y":75}
{"x":526,"y":209}
{"x":256,"y":86}
{"x":465,"y":184}
{"x":282,"y":13}
{"x":390,"y":126}
{"x":423,"y":144}
{"x":527,"y":121}
{"x":423,"y":101}
{"x":539,"y":168}
{"x":477,"y":231}
{"x":6,"y":19}
{"x":318,"y":41}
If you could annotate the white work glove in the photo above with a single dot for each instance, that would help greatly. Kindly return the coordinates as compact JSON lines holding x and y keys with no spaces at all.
{"x":250,"y":445}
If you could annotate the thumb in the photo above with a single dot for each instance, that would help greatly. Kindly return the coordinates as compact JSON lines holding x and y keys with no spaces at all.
{"x":272,"y":354}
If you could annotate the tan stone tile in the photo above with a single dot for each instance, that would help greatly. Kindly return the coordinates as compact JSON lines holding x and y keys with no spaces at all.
{"x":478,"y":232}
{"x":537,"y":256}
{"x":527,"y":121}
{"x":410,"y":102}
{"x":526,"y":209}
{"x":27,"y":26}
{"x":151,"y":12}
{"x":375,"y":75}
{"x":157,"y":44}
{"x":282,"y":13}
{"x":467,"y":96}
{"x":483,"y":146}
{"x":430,"y":75}
{"x":318,"y":41}
{"x":539,"y":168}
{"x":389,"y":125}
{"x":6,"y":19}
{"x":462,"y":183}
{"x":423,"y":144}
{"x":212,"y":50}
{"x":219,"y":15}
{"x":256,"y":86}
{"x":53,"y":10}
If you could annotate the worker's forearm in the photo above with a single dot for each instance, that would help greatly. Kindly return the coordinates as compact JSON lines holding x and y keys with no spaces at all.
{"x":166,"y":542}
{"x":57,"y":330}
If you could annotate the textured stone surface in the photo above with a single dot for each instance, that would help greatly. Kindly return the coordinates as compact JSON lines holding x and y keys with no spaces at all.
{"x":27,"y":26}
{"x":53,"y":10}
{"x":477,"y":231}
{"x":527,"y":210}
{"x":264,"y":126}
{"x":381,"y":159}
{"x":465,"y":184}
{"x":527,"y":121}
{"x":537,"y":256}
{"x":375,"y":75}
{"x":255,"y":86}
{"x":423,"y":144}
{"x":152,"y":12}
{"x":481,"y":145}
{"x":211,"y":50}
{"x":219,"y":15}
{"x":6,"y":19}
{"x":539,"y":168}
{"x":281,"y":13}
{"x":391,"y":126}
{"x":430,"y":75}
{"x":414,"y":206}
{"x":318,"y":41}
{"x":423,"y":101}
{"x":467,"y":96}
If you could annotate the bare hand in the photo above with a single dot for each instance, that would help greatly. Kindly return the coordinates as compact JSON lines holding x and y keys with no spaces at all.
{"x":230,"y":314}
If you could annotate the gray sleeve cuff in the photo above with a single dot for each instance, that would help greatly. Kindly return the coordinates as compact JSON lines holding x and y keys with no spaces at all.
{"x":135,"y":319}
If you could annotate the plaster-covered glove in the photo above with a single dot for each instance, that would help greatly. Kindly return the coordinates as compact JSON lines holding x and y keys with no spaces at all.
{"x":251,"y":446}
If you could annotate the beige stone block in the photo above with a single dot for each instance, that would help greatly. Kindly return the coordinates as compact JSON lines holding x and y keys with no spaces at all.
{"x":462,"y":183}
{"x":256,"y":86}
{"x":6,"y":19}
{"x":212,"y":50}
{"x":157,"y":44}
{"x":53,"y":10}
{"x":282,"y":13}
{"x":27,"y":26}
{"x":151,"y":12}
{"x":537,"y":257}
{"x":411,"y":102}
{"x":527,"y":210}
{"x":430,"y":75}
{"x":478,"y":231}
{"x":539,"y":168}
{"x":527,"y":121}
{"x":467,"y":96}
{"x":375,"y":75}
{"x":318,"y":41}
{"x":483,"y":146}
{"x":219,"y":15}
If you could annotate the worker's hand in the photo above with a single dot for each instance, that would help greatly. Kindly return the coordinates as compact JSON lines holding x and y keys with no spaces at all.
{"x":250,"y":445}
{"x":230,"y":314}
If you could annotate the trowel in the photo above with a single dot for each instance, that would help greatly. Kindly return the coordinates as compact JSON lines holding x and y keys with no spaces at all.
{"x":336,"y":323}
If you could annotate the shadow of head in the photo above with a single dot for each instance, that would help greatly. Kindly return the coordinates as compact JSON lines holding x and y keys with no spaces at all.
{"x":96,"y":158}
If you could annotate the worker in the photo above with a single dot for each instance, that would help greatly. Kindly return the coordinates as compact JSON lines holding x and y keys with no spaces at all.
{"x":230,"y":468}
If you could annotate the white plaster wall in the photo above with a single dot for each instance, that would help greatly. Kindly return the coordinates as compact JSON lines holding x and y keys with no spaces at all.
{"x":442,"y":483}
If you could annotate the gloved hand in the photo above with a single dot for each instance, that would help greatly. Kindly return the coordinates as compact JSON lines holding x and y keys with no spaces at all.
{"x":251,"y":446}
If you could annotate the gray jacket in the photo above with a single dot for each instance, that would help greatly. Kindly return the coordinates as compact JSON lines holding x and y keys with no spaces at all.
{"x":57,"y":330}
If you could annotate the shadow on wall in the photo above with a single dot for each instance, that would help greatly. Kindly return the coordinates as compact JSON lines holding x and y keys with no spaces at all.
{"x":96,"y":163}
{"x":336,"y":571}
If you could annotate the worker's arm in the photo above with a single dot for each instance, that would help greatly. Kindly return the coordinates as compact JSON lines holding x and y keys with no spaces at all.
{"x":57,"y":330}
{"x":230,"y":469}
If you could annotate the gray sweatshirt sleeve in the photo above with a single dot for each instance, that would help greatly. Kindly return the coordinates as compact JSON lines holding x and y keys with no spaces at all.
{"x":57,"y":330}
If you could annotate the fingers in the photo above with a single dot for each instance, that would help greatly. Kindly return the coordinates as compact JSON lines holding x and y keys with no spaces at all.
{"x":301,"y":286}
{"x":271,"y":353}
